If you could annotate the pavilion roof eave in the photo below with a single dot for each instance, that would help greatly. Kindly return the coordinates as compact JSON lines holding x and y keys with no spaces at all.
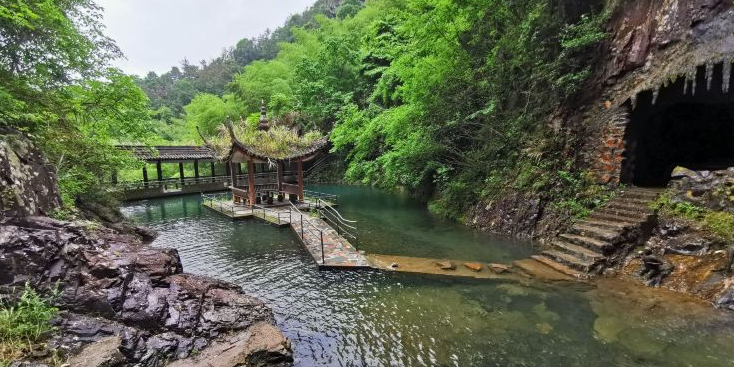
{"x":239,"y":153}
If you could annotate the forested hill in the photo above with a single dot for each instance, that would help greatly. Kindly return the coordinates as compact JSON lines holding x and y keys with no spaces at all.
{"x":449,"y":100}
{"x":171,"y":91}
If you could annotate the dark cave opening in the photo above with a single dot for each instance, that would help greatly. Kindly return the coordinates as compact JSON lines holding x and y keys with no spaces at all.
{"x":693,"y":131}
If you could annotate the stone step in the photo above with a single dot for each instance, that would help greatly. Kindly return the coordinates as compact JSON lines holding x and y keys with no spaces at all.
{"x":577,"y":251}
{"x":610,"y":217}
{"x":631,"y":201}
{"x":570,"y":261}
{"x":588,"y":242}
{"x":628,"y":206}
{"x":557,"y":266}
{"x":639,"y":215}
{"x":597,"y":232}
{"x":612,"y":226}
{"x":639,"y":195}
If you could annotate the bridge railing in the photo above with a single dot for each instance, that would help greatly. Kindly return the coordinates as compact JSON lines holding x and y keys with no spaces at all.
{"x":321,"y":195}
{"x":223,"y":202}
{"x":344,"y":227}
{"x":307,"y":226}
{"x":177,"y":183}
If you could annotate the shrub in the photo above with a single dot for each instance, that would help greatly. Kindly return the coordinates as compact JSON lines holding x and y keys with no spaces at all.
{"x":23,"y":324}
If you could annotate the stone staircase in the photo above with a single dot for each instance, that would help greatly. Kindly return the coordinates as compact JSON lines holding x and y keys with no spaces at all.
{"x":591,"y":244}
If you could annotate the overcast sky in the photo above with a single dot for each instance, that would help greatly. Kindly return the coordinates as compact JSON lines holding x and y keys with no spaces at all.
{"x":158,"y":34}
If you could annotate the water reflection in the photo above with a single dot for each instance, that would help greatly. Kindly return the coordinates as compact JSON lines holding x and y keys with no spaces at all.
{"x":372,"y":318}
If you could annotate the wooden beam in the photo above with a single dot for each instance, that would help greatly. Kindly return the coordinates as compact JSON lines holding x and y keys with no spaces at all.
{"x":300,"y":180}
{"x":251,"y":180}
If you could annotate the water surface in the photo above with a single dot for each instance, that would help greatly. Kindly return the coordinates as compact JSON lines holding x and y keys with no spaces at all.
{"x":371,"y":318}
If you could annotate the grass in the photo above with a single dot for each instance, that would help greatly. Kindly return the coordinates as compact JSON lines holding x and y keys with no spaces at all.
{"x":23,"y":325}
{"x":278,"y":142}
{"x":719,"y":223}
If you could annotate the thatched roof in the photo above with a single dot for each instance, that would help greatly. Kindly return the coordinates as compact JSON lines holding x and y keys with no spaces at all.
{"x":277,"y":144}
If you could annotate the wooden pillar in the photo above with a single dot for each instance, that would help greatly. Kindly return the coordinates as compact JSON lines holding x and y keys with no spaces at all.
{"x":280,"y":176}
{"x":300,"y":180}
{"x":251,"y":180}
{"x":196,"y":169}
{"x":145,"y":175}
{"x":180,"y":172}
{"x":214,"y":171}
{"x":159,"y":170}
{"x":233,"y":176}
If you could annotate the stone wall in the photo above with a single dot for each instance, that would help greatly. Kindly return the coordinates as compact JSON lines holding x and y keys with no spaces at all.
{"x":608,"y":154}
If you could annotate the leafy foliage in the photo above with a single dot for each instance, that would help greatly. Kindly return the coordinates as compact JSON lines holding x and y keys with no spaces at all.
{"x":448,"y":99}
{"x":55,"y":85}
{"x":720,"y":223}
{"x":23,"y":324}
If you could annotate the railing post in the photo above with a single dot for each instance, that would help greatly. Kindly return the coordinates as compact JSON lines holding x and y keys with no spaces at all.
{"x":323,"y":258}
{"x":301,"y":225}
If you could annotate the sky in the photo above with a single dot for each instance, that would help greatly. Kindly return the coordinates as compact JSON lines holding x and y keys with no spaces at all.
{"x":157,"y":34}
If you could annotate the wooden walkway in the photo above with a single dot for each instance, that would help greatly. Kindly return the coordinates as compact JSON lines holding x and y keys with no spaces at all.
{"x":327,"y":247}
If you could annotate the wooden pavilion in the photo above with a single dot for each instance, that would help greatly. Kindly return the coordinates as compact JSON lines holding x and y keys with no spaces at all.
{"x":253,"y":192}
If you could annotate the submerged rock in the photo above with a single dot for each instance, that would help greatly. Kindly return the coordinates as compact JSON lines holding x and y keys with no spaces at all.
{"x":499,"y":268}
{"x":446,"y":265}
{"x":137,"y":293}
{"x":473,"y":266}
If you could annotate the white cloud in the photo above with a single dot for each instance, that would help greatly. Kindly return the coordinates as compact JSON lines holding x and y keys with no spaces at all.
{"x":158,"y":34}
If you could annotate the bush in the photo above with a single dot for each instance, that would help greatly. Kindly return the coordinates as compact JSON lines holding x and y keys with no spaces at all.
{"x":23,"y":324}
{"x":720,"y":223}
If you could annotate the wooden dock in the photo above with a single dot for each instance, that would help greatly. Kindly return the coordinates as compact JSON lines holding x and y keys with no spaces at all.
{"x":326,"y":245}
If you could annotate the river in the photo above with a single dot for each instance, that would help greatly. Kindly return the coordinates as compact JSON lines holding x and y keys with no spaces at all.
{"x":374,"y":318}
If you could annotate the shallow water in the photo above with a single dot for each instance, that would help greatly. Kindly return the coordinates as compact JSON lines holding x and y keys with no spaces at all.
{"x":371,"y":318}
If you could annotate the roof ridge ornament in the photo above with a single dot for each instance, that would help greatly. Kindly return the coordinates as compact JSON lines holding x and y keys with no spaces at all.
{"x":263,"y":125}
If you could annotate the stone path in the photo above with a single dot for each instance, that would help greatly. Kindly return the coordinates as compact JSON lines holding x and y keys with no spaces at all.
{"x":337,"y":251}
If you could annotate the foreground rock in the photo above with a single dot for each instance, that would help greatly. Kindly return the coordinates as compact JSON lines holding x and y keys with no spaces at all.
{"x":114,"y":288}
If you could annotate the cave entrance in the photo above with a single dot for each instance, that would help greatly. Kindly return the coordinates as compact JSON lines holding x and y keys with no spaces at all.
{"x":695,"y":131}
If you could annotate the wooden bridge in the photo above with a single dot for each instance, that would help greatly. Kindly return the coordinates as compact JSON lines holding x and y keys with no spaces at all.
{"x":319,"y":226}
{"x":206,"y":178}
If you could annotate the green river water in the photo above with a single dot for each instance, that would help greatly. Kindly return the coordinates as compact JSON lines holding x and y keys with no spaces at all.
{"x":374,"y":318}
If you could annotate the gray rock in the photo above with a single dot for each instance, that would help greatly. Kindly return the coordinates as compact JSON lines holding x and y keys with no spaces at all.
{"x":102,"y":353}
{"x":136,"y":293}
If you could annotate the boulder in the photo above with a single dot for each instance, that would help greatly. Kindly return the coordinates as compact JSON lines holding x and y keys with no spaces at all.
{"x":262,"y":345}
{"x":138,"y":295}
{"x":27,"y":182}
{"x":102,"y":353}
{"x":473,"y":266}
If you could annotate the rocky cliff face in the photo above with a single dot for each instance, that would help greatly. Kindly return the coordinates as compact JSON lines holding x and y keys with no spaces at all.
{"x":111,"y":285}
{"x":27,"y":182}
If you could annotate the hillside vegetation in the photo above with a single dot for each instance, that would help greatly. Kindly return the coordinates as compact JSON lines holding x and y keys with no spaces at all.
{"x":450,"y":100}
